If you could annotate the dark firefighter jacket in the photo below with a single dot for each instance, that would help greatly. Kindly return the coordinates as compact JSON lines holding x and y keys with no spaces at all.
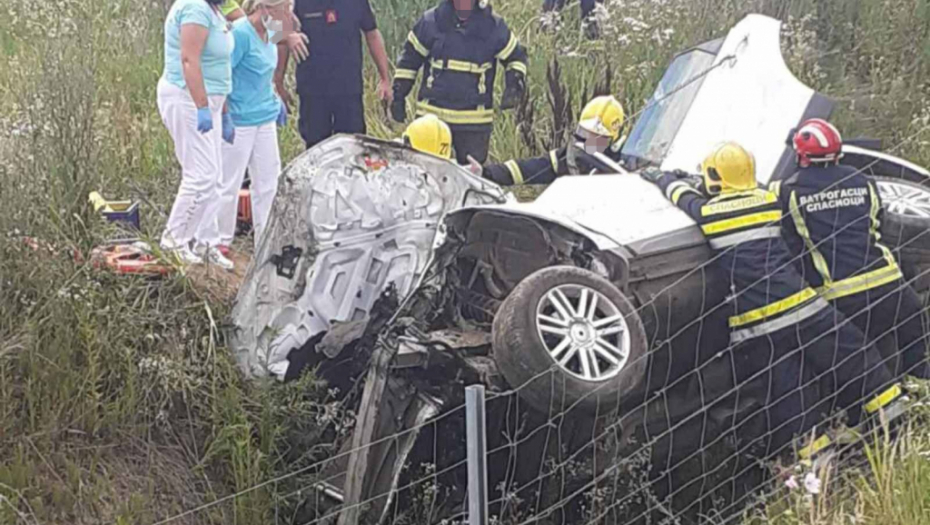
{"x":835,"y":213}
{"x":767,"y":293}
{"x":459,"y":61}
{"x":544,"y":169}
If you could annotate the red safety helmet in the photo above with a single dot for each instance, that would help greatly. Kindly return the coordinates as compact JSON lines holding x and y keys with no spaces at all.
{"x":817,"y":141}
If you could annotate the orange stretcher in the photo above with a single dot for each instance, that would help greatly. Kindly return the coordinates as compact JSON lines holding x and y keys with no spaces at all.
{"x":244,"y":212}
{"x":128,"y":259}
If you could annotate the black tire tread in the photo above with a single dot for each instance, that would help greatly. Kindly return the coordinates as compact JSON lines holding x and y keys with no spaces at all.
{"x":523,"y":361}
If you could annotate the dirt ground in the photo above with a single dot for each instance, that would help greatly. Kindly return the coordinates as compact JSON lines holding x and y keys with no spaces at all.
{"x":219,"y":283}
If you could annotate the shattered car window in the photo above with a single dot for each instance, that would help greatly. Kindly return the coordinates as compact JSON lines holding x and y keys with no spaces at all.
{"x":659,"y":122}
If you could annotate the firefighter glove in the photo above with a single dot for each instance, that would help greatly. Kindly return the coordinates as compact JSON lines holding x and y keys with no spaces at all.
{"x":399,"y":109}
{"x":513,"y":92}
{"x":651,"y":174}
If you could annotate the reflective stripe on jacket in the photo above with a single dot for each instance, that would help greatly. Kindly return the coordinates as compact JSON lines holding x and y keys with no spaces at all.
{"x":835,"y":214}
{"x":767,"y":293}
{"x":543,"y":169}
{"x":459,"y":62}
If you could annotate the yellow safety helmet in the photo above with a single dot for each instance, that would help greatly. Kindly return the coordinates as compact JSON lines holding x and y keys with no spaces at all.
{"x":729,"y":168}
{"x":602,"y":116}
{"x":430,"y":135}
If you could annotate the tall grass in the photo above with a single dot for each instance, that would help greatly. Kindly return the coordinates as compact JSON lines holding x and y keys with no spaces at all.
{"x":118,"y":401}
{"x":869,"y":55}
{"x":886,"y":484}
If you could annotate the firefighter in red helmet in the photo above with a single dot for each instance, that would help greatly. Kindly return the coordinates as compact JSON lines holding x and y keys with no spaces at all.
{"x":834,"y":213}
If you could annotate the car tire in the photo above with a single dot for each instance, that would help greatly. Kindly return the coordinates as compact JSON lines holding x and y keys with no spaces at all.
{"x":905,"y":227}
{"x":557,"y":359}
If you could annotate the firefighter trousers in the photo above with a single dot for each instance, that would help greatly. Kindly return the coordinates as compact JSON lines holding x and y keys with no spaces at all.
{"x":894,"y":320}
{"x":806,"y":371}
{"x":471,"y":141}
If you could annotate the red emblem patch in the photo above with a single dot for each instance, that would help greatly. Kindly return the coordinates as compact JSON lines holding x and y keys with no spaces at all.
{"x":374,"y":164}
{"x":331,"y":16}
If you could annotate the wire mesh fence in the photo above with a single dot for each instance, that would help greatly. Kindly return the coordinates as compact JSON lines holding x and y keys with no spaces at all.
{"x":691,"y":437}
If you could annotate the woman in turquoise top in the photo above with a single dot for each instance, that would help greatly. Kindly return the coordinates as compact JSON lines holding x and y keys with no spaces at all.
{"x":191,"y":99}
{"x":255,"y":111}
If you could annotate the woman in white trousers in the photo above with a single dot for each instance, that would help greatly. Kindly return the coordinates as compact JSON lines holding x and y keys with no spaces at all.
{"x":191,"y":100}
{"x":256,"y":112}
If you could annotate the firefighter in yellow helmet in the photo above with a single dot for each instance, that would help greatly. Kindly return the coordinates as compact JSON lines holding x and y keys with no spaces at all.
{"x":780,"y":329}
{"x":597,"y":133}
{"x":429,"y":135}
{"x":458,"y":45}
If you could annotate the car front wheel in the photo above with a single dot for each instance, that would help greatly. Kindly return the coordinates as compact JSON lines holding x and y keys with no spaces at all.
{"x":566,"y":337}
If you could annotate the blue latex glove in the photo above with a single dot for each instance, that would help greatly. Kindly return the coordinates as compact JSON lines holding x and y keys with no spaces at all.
{"x":204,"y":120}
{"x":282,"y":116}
{"x":229,"y":130}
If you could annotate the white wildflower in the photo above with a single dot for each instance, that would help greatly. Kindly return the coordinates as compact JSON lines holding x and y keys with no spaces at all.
{"x":812,"y":483}
{"x":550,"y":21}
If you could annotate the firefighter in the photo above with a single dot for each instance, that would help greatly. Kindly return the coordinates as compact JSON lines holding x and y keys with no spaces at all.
{"x":590,"y":24}
{"x":780,"y":328}
{"x":835,"y":213}
{"x":598,"y":131}
{"x":429,"y":135}
{"x":458,"y":45}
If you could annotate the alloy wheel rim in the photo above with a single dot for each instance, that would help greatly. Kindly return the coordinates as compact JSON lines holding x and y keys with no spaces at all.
{"x":584,"y":332}
{"x":904,"y":199}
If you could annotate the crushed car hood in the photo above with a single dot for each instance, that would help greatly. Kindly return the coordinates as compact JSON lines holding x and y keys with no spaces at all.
{"x":352,"y":216}
{"x":613,"y":211}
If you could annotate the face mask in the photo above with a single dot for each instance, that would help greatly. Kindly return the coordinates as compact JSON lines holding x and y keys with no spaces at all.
{"x":273,"y":27}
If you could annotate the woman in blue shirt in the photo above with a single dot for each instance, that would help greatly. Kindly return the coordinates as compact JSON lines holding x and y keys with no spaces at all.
{"x":191,"y":98}
{"x":255,"y":111}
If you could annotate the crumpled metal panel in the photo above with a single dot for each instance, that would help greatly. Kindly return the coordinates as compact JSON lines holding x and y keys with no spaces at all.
{"x":365,"y":214}
{"x":610,"y":210}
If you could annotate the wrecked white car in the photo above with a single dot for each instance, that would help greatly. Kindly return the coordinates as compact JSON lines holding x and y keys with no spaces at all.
{"x":404,"y":278}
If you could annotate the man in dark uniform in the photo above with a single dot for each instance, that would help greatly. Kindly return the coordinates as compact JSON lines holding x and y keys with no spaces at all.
{"x":835,"y":212}
{"x":779,"y":325}
{"x":329,"y":81}
{"x":597,"y":134}
{"x":458,"y":45}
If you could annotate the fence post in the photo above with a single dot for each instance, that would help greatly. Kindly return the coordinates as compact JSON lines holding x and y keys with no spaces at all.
{"x":475,"y":430}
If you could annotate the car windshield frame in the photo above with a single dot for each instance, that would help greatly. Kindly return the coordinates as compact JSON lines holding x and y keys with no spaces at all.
{"x":659,"y":122}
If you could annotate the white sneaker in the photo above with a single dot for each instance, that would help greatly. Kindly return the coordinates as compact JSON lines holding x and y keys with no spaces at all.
{"x":185,"y":256}
{"x":212,"y":255}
